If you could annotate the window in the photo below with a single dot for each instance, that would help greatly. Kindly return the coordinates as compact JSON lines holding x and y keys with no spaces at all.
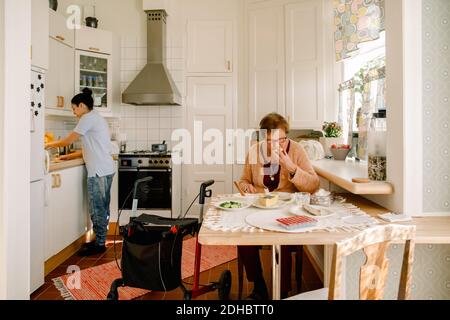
{"x":362,"y":92}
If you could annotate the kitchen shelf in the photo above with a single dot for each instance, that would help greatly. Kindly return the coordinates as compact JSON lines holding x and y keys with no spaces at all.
{"x":97,"y":88}
{"x":341,"y":174}
{"x":93,"y":71}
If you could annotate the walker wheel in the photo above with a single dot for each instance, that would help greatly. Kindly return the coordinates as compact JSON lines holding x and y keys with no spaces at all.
{"x":187,"y":296}
{"x":224,"y":285}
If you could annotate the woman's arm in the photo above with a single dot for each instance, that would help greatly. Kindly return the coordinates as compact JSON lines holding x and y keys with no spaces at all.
{"x":72,"y":156}
{"x":246,"y":181}
{"x":304,"y":178}
{"x":67,"y":141}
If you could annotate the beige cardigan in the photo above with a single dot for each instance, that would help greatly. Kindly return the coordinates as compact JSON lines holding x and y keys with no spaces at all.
{"x":305,"y":179}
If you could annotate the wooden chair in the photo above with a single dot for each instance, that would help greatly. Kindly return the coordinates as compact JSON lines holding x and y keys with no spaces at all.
{"x":375,"y":243}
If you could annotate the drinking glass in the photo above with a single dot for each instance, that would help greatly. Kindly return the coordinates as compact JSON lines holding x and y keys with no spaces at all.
{"x":302,"y":198}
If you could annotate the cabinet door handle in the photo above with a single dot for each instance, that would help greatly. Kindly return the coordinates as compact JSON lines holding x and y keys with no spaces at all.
{"x":229,"y":65}
{"x":54,"y":181}
{"x":60,"y":38}
{"x":94,"y":49}
{"x":59,"y":181}
{"x":60,"y":102}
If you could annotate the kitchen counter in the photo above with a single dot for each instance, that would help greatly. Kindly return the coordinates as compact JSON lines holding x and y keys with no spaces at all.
{"x":58,"y":166}
{"x":341,"y":174}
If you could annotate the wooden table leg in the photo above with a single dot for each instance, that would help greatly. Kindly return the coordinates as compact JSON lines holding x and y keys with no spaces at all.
{"x":276,"y":272}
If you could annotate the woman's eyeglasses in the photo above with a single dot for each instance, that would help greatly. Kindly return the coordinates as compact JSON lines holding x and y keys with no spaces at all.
{"x":277,"y":141}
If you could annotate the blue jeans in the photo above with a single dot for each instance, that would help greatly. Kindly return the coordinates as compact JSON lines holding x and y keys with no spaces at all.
{"x":99,"y":193}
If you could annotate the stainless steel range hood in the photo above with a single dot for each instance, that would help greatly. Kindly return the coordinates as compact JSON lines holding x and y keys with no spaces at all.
{"x":154,"y":86}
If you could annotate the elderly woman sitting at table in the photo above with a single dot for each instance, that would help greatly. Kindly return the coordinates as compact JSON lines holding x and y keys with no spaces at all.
{"x":277,"y":164}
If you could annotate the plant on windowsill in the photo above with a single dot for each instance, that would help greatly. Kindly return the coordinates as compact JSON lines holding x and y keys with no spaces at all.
{"x":332,"y":135}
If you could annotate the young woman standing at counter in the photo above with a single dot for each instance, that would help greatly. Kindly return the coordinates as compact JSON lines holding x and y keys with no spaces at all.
{"x":93,"y":130}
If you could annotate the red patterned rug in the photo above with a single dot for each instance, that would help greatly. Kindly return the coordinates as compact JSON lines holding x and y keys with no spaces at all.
{"x":94,"y":283}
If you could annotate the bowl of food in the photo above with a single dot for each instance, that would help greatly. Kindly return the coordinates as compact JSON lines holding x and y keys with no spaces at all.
{"x":340,"y":152}
{"x":232,"y":205}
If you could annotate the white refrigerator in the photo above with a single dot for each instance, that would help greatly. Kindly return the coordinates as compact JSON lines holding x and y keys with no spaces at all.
{"x":39,"y":168}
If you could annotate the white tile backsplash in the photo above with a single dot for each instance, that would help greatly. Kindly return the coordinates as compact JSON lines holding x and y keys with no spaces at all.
{"x":165,"y":123}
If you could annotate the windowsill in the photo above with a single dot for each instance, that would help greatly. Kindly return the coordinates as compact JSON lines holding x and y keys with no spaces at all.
{"x":341,"y":174}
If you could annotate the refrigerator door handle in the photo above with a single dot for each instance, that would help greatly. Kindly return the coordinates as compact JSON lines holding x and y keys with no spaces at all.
{"x":47,"y":162}
{"x":33,"y":124}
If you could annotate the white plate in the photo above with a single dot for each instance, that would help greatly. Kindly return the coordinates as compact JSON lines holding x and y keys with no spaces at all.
{"x":296,"y":210}
{"x":245,"y":205}
{"x":283,"y":200}
{"x":267,"y":221}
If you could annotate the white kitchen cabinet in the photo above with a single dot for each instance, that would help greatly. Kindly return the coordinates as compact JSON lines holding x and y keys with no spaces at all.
{"x":210,"y":47}
{"x":266,"y":62}
{"x":39,"y":33}
{"x":66,"y":209}
{"x":59,"y":30}
{"x":286,"y":61}
{"x":305,"y":63}
{"x":94,"y":71}
{"x":94,"y":40}
{"x":60,"y":77}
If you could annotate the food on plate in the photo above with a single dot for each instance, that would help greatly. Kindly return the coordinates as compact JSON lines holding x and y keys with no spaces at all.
{"x":268,"y":200}
{"x":312,"y":210}
{"x":292,"y":223}
{"x":231,"y":205}
{"x":317,"y":211}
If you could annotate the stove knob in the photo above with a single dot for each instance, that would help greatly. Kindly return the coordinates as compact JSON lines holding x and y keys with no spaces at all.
{"x":38,"y":89}
{"x":140,"y":161}
{"x":32,"y":86}
{"x":167,"y":161}
{"x":32,"y":104}
{"x":39,"y":105}
{"x":36,"y":113}
{"x":42,"y":86}
{"x":39,"y":77}
{"x":161,"y":162}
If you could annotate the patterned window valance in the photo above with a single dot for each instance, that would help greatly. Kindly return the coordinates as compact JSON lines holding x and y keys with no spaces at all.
{"x":356,"y":21}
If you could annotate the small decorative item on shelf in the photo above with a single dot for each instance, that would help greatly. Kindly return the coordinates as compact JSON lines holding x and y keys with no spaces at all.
{"x":92,"y":21}
{"x":332,"y":135}
{"x":53,"y":4}
{"x":340,"y":152}
{"x":377,"y":139}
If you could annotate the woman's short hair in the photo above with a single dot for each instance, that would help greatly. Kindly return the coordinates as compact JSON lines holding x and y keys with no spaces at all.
{"x":274,"y":121}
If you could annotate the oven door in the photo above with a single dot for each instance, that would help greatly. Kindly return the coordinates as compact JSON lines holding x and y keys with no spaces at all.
{"x":153,"y":195}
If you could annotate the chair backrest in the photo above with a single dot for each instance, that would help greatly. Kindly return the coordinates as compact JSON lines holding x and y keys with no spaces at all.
{"x":374,"y":242}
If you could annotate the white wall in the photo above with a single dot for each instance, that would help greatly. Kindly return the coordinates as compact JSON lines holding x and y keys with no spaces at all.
{"x":2,"y":152}
{"x":436,"y":100}
{"x":15,"y":163}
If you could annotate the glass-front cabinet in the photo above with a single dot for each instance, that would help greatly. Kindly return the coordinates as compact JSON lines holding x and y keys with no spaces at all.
{"x":94,"y":71}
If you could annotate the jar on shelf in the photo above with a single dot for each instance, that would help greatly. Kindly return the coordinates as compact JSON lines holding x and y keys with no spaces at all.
{"x":377,"y":154}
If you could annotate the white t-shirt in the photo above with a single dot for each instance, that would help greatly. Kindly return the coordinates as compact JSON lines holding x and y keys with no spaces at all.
{"x":97,"y":150}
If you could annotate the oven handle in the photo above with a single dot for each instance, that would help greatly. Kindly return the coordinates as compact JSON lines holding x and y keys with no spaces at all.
{"x":146,"y":170}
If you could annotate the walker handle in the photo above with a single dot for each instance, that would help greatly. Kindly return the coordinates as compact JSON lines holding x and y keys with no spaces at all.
{"x":203,"y":192}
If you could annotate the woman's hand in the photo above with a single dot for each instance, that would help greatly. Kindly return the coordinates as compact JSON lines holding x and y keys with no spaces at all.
{"x":248,"y":188}
{"x":72,"y":156}
{"x":286,"y":162}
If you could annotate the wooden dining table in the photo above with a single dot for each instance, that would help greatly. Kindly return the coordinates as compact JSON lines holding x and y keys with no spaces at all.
{"x":430,"y":230}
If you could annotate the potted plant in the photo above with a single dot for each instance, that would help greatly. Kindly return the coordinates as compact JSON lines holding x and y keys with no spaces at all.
{"x":332,"y":135}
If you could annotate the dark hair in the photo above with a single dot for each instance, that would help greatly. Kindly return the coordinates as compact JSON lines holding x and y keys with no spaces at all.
{"x":84,"y":97}
{"x":274,"y":121}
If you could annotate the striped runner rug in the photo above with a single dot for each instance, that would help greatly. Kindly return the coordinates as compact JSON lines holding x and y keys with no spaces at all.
{"x":94,"y":283}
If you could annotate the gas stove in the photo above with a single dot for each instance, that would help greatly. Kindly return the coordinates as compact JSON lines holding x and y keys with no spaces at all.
{"x":145,"y":159}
